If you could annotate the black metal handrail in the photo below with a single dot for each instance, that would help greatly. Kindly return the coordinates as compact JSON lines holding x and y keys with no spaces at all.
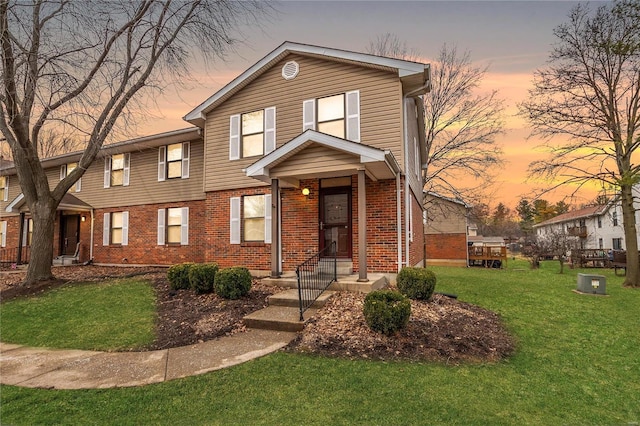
{"x":9,"y":256}
{"x":315,"y":275}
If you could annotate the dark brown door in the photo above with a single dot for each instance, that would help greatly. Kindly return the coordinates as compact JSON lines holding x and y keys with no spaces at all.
{"x":70,"y":234}
{"x":335,"y":220}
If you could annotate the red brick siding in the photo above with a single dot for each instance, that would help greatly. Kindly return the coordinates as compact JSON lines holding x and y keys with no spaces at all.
{"x":142,"y":246}
{"x":416,"y":247}
{"x":446,"y":246}
{"x":382,"y":230}
{"x":218,"y":248}
{"x":13,"y":231}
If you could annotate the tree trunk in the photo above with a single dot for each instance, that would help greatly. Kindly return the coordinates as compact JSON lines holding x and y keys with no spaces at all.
{"x":561,"y":260}
{"x":632,"y":278}
{"x":39,"y":268}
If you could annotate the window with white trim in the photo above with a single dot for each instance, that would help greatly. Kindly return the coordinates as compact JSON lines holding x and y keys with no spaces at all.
{"x":252,"y":134}
{"x":4,"y":187}
{"x":336,"y":115}
{"x":614,"y":218}
{"x":65,"y":169}
{"x":173,"y":226}
{"x":116,"y":170}
{"x":174,"y":161}
{"x":27,"y":237}
{"x":115,"y":228}
{"x":3,"y":233}
{"x":616,"y":243}
{"x":250,"y":219}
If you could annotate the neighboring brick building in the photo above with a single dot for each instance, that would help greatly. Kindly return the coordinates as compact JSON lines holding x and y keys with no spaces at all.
{"x":308,"y":147}
{"x":446,"y":230}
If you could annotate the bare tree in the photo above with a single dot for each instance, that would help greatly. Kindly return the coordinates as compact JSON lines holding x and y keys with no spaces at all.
{"x":590,"y":94}
{"x":556,"y":244}
{"x":462,"y":126}
{"x":461,"y":122}
{"x":390,"y":46}
{"x":82,"y":68}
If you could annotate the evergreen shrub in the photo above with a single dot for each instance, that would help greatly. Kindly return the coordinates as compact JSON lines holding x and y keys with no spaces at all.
{"x":386,"y":311}
{"x":232,"y":283}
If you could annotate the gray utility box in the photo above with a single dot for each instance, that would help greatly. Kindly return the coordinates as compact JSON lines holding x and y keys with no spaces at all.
{"x":595,"y":284}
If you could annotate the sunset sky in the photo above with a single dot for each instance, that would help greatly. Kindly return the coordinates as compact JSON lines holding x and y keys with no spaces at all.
{"x":512,"y":37}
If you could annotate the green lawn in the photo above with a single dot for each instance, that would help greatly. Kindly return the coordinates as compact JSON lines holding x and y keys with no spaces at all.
{"x":117,"y":315}
{"x":577,"y":363}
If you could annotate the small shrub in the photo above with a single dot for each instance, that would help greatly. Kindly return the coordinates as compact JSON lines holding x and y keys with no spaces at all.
{"x":233,"y":283}
{"x":178,"y":276}
{"x":386,"y":311}
{"x":416,"y":283}
{"x":202,"y":276}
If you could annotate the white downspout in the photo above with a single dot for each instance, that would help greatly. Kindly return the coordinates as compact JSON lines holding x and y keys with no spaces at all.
{"x":91,"y":238}
{"x":399,"y":219}
{"x":407,"y":198}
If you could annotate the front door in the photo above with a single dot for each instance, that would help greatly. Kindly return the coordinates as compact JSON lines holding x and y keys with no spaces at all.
{"x":70,"y":234}
{"x":335,"y":220}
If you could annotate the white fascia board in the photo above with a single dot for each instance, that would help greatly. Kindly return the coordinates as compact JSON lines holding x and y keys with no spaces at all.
{"x":14,"y":203}
{"x":405,"y":68}
{"x":366,"y":153}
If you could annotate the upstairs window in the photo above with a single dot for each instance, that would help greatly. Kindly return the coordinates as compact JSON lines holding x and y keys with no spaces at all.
{"x":65,"y":169}
{"x":4,"y":188}
{"x":116,"y":170}
{"x":336,"y":115}
{"x":331,"y":119}
{"x":614,"y":218}
{"x":599,"y":223}
{"x":252,"y":134}
{"x":174,"y":161}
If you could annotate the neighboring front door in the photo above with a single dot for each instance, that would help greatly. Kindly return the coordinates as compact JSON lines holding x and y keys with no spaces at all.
{"x":70,"y":234}
{"x":335,"y":220}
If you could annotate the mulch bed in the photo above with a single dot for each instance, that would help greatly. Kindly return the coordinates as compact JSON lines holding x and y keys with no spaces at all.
{"x":442,"y":329}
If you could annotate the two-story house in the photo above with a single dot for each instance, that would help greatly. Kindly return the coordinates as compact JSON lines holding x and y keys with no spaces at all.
{"x":309,"y":148}
{"x":597,"y":227}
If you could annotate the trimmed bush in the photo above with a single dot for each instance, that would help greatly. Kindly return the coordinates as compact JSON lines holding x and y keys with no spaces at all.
{"x":386,"y":311}
{"x":202,"y":276}
{"x":416,"y":283}
{"x":178,"y":276}
{"x":233,"y":283}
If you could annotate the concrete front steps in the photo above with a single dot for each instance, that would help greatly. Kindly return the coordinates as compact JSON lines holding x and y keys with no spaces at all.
{"x":344,"y":283}
{"x":283,"y":312}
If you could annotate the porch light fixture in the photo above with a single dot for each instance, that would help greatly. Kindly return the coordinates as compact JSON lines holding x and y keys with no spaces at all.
{"x":305,"y":191}
{"x":84,"y":218}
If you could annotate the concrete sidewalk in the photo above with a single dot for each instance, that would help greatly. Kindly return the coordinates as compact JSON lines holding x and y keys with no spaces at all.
{"x":75,"y":369}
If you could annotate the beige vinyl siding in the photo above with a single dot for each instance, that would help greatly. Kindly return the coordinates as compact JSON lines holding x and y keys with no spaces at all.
{"x":413,"y":175}
{"x":315,"y":161}
{"x":380,"y":112}
{"x":444,"y":217}
{"x":14,"y":191}
{"x":143,"y":188}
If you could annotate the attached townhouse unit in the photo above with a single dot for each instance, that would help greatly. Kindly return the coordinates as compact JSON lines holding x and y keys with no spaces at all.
{"x":309,"y":148}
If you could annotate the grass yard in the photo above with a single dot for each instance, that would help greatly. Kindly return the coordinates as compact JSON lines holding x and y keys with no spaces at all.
{"x":115,"y":315}
{"x":578,"y":362}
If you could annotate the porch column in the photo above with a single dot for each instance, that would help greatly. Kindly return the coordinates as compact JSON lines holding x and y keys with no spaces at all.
{"x":362,"y":227}
{"x":275,"y":229}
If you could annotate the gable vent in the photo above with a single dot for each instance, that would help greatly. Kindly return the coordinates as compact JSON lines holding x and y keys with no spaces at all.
{"x":290,"y":70}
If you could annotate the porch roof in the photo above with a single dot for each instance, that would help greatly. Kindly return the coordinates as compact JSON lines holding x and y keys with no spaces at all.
{"x":377,"y":163}
{"x":68,"y":202}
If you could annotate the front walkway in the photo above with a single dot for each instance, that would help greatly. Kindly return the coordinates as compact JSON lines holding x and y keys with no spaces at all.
{"x":76,"y":369}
